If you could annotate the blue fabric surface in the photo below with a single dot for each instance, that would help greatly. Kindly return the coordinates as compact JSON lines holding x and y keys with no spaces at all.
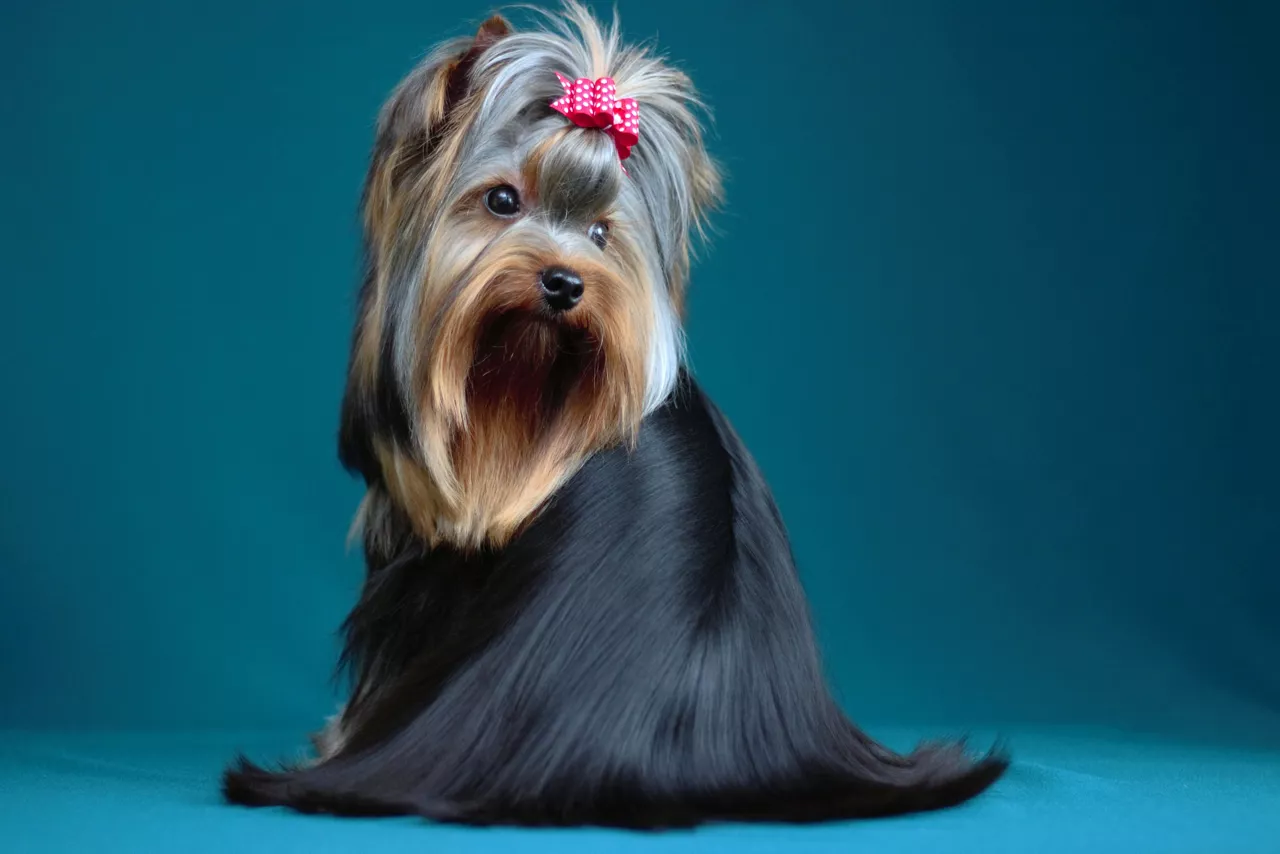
{"x":1068,"y":792}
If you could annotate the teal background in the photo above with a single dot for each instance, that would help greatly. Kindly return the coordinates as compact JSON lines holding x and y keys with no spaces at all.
{"x":994,"y":303}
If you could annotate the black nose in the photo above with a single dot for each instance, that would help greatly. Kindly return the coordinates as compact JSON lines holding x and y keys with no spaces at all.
{"x":561,"y":288}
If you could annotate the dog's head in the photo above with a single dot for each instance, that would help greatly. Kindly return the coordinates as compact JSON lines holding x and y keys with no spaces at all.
{"x":524,"y":288}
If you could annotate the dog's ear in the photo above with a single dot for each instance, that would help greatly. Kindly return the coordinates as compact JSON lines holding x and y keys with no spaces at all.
{"x":415,"y":116}
{"x":705,"y":192}
{"x":680,"y":182}
{"x":490,"y":33}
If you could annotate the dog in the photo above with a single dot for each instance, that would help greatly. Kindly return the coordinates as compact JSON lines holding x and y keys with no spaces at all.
{"x":580,"y":606}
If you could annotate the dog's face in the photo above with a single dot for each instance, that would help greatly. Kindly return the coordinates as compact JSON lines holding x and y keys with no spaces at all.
{"x":523,"y":298}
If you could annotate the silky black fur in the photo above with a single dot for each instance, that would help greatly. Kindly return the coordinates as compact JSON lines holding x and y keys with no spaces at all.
{"x":640,"y":656}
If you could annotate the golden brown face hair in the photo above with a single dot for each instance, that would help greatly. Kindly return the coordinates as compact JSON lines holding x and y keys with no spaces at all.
{"x":468,"y":402}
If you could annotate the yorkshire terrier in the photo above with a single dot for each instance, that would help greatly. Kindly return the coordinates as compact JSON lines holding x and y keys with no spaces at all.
{"x":581,"y":606}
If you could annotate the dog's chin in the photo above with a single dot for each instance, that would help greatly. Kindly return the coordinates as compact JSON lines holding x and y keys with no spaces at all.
{"x":535,"y":366}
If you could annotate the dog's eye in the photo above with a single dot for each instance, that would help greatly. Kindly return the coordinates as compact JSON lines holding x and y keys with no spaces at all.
{"x":502,"y":200}
{"x":599,"y":234}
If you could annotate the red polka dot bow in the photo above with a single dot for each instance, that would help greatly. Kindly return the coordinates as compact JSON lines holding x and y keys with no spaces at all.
{"x":597,"y":105}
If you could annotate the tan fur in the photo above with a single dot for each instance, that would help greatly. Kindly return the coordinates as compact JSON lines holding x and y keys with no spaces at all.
{"x":489,"y":459}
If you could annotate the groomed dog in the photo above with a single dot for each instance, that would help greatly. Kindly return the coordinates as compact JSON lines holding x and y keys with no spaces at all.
{"x":581,"y":606}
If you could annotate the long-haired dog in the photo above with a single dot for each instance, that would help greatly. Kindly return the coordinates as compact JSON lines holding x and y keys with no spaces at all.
{"x":581,"y":606}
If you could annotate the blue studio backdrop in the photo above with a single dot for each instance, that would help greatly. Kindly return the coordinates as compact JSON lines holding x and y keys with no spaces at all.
{"x":993,"y":301}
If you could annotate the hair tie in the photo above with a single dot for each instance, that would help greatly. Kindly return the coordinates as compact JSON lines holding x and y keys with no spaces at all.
{"x":597,"y":105}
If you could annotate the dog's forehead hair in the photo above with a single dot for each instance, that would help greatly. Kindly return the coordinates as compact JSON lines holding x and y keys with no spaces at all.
{"x":667,"y":169}
{"x":575,"y":173}
{"x":572,"y":174}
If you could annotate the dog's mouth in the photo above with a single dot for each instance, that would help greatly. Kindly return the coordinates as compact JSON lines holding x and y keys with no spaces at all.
{"x":532,"y":364}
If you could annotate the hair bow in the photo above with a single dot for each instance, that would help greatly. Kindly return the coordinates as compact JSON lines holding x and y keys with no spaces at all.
{"x":597,"y":105}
